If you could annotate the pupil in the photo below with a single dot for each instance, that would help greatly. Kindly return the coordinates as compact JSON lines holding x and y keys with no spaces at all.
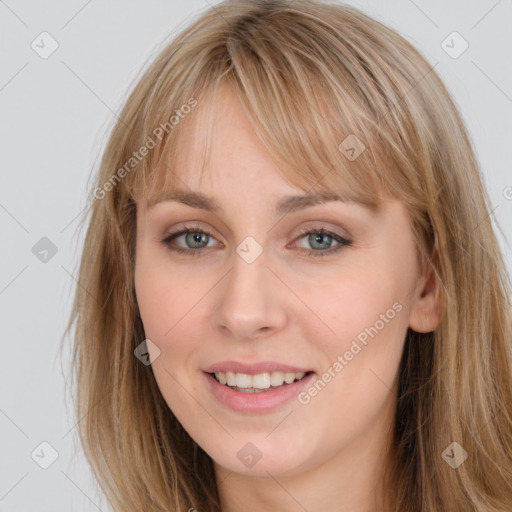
{"x":317,"y":239}
{"x":197,"y":238}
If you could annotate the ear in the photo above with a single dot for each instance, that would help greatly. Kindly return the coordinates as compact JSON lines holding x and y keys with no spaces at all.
{"x":428,"y":305}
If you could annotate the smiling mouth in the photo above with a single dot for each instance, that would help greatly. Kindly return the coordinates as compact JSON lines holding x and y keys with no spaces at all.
{"x":257,"y":383}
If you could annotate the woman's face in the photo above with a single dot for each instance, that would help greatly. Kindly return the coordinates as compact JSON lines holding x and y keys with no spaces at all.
{"x":277,"y":291}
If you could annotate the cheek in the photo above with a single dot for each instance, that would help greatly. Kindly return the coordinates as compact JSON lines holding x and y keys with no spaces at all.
{"x":173,"y":308}
{"x":169,"y":310}
{"x":153,"y":300}
{"x":366,"y":299}
{"x":366,"y":312}
{"x":366,"y":315}
{"x":164,"y":295}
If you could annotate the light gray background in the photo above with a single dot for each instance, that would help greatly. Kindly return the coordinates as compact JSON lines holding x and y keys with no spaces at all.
{"x":55,"y":114}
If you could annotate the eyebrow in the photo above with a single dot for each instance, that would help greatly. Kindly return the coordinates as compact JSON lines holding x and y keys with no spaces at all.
{"x":288,"y":204}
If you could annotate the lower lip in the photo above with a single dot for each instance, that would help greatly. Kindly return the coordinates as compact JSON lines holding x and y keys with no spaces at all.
{"x":263,"y":401}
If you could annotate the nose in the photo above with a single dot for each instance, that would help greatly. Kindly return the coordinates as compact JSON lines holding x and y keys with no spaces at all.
{"x":249,"y":302}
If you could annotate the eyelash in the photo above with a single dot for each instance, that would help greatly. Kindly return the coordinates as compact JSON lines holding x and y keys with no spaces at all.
{"x":342,"y":242}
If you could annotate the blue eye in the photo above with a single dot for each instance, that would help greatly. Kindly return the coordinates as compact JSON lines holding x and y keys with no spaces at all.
{"x":321,"y":240}
{"x":196,"y":239}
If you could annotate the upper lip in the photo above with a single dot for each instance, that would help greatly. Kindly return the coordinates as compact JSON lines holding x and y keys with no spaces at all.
{"x":254,"y":368}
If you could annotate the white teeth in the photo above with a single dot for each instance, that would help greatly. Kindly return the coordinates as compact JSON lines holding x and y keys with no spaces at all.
{"x":258,"y":381}
{"x":289,"y":377}
{"x":276,"y":378}
{"x":261,"y":381}
{"x":243,"y":380}
{"x":230,"y":378}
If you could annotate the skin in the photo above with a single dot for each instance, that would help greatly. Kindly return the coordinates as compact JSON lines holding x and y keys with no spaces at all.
{"x":286,"y":306}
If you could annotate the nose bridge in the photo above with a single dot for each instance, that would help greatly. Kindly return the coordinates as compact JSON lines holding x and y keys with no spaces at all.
{"x":246,"y":282}
{"x":247,"y":304}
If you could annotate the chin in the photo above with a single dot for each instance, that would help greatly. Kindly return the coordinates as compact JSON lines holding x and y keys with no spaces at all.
{"x":261,"y":459}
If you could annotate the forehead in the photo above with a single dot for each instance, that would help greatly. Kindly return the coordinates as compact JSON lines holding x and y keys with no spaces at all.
{"x":218,"y":137}
{"x":218,"y":147}
{"x":225,"y":142}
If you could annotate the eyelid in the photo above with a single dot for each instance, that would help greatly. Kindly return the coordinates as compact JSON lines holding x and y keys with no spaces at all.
{"x":322,"y":227}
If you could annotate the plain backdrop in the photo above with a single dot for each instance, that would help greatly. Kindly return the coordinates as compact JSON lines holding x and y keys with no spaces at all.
{"x":55,"y":115}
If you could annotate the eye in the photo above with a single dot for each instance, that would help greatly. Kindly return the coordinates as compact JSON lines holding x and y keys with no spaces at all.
{"x":195,"y":239}
{"x":321,"y":241}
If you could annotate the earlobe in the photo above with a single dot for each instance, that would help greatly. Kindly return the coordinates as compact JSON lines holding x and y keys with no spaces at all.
{"x":428,"y":306}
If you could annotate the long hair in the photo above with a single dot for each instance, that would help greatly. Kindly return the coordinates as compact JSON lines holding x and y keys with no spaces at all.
{"x":343,"y":103}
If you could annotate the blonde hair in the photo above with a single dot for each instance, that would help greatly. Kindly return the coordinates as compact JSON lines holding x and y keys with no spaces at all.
{"x":309,"y":74}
